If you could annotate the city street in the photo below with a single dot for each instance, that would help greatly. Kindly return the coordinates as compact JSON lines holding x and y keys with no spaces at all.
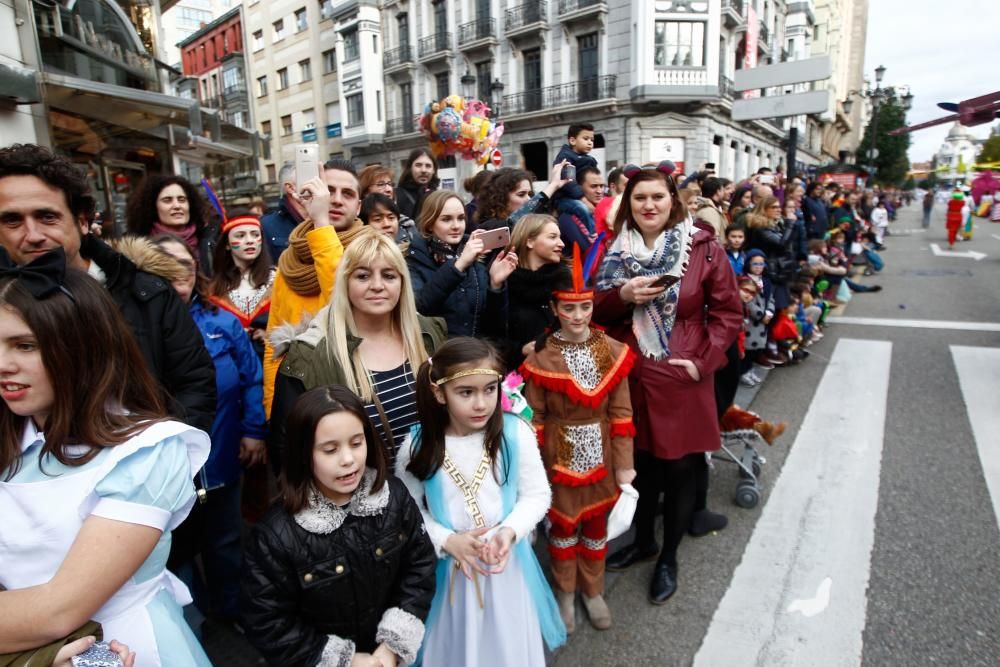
{"x":876,"y":542}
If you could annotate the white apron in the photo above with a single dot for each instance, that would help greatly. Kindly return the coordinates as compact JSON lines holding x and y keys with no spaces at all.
{"x":42,"y":519}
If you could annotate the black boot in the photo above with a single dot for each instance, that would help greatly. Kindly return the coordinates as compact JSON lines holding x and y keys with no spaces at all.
{"x":625,"y":558}
{"x":704,"y":522}
{"x":664,"y":583}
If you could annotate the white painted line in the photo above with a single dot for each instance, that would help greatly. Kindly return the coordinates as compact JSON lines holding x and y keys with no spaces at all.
{"x":917,"y":324}
{"x":968,"y":254}
{"x":979,"y":376}
{"x":818,"y":526}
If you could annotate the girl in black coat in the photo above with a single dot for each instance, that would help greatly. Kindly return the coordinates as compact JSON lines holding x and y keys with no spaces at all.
{"x":341,"y":572}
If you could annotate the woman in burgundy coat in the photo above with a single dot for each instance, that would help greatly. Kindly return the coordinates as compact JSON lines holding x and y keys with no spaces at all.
{"x":666,"y":289}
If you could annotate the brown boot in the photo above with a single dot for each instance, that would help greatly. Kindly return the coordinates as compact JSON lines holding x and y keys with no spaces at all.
{"x":567,"y":609}
{"x":597,"y":610}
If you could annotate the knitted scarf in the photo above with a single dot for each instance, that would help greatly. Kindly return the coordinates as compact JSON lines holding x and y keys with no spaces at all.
{"x":629,"y":257}
{"x":187,"y":233}
{"x":297,"y":267}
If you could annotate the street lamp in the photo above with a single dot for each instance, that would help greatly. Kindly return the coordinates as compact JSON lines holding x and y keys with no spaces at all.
{"x":496,"y":92}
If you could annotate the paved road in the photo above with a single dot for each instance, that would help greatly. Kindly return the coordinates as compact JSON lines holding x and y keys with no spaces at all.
{"x":877,"y":540}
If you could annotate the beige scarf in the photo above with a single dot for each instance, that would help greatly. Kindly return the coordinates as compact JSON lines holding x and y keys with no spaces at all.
{"x":296,"y":264}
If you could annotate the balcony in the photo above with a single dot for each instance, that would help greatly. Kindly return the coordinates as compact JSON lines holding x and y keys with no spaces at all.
{"x":584,"y":12}
{"x":398,"y":59}
{"x":526,"y":21}
{"x":570,"y":94}
{"x":732,"y":13}
{"x":764,"y":39}
{"x":435,"y":47}
{"x":478,"y":34}
{"x":397,"y":127}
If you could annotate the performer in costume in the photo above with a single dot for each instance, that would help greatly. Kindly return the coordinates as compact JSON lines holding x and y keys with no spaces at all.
{"x":478,"y":478}
{"x":953,"y":219}
{"x":577,"y":387}
{"x":243,"y":276}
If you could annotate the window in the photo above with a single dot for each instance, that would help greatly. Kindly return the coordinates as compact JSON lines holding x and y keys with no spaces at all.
{"x":305,"y":70}
{"x":282,"y":78}
{"x":679,"y":44}
{"x":279,"y":29}
{"x":286,"y":125}
{"x":355,"y":109}
{"x":258,"y":40}
{"x":301,"y":20}
{"x":265,"y":128}
{"x":329,"y":61}
{"x":351,"y":51}
{"x":484,"y":72}
{"x":442,"y":85}
{"x":261,"y":86}
{"x":272,"y":175}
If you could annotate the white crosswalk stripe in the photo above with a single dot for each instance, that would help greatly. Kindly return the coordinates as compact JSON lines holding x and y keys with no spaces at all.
{"x":799,"y":595}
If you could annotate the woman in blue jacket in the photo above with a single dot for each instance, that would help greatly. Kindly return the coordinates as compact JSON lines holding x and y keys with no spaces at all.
{"x":450,"y":278}
{"x":213,"y":527}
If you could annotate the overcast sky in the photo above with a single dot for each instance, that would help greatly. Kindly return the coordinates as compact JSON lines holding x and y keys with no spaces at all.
{"x":943,"y":50}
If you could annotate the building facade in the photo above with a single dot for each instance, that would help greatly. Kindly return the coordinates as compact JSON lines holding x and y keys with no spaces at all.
{"x":297,"y":49}
{"x":213,"y":61}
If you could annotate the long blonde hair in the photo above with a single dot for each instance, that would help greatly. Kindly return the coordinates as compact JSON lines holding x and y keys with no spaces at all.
{"x":527,"y":229}
{"x":365,"y":249}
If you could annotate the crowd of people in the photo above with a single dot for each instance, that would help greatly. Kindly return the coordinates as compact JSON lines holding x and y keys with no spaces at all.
{"x":390,"y":399}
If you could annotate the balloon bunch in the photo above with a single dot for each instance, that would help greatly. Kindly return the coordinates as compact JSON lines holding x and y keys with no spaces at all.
{"x":456,"y":126}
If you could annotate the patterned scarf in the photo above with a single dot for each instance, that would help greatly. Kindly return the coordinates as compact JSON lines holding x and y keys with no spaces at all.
{"x":629,"y":257}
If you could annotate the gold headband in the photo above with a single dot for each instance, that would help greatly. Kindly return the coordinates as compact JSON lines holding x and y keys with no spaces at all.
{"x":466,"y":373}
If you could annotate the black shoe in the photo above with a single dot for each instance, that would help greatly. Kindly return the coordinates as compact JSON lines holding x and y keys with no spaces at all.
{"x":625,"y":558}
{"x":664,"y":583}
{"x":704,"y":522}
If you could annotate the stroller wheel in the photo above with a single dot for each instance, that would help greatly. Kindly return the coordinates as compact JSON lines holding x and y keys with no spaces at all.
{"x":747,"y":495}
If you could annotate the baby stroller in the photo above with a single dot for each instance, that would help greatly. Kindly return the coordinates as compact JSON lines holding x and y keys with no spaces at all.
{"x":742,"y":432}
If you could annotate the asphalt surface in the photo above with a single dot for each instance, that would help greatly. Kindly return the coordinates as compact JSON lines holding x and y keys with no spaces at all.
{"x":934,"y":588}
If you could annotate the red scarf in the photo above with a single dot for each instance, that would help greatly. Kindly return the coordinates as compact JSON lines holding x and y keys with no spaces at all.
{"x":188,"y":233}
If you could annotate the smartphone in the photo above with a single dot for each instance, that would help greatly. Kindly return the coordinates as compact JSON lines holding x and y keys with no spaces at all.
{"x":495,"y":238}
{"x":98,"y":655}
{"x":568,"y":173}
{"x":664,"y":281}
{"x":306,"y":164}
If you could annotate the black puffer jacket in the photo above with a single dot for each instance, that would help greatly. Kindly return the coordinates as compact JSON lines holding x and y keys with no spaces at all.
{"x":320,"y":593}
{"x":167,"y":336}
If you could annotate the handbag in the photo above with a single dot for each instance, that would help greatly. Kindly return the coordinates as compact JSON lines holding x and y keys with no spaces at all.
{"x":620,"y":517}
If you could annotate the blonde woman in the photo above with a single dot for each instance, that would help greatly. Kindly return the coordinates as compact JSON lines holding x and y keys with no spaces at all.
{"x":539,"y":248}
{"x":369,"y":339}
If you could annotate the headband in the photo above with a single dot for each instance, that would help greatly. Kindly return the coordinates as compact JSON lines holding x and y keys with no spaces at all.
{"x":665,"y":167}
{"x":239,"y":221}
{"x":466,"y":373}
{"x":42,"y":277}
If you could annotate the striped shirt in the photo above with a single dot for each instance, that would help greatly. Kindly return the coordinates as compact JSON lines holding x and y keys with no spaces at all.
{"x":396,"y":390}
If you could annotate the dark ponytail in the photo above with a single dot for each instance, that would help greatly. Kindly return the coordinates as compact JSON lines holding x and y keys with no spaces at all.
{"x":427,"y":449}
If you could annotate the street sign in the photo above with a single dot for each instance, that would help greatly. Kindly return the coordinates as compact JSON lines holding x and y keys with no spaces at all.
{"x":783,"y":74}
{"x":777,"y":106}
{"x":496,"y":158}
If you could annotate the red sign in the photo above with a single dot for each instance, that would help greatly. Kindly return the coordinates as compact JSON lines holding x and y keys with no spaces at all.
{"x":496,"y":158}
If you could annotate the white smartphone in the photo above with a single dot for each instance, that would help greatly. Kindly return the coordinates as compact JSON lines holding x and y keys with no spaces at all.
{"x":306,"y":164}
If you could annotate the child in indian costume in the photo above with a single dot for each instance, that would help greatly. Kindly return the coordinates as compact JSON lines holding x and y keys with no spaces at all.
{"x":477,"y":475}
{"x":577,"y":386}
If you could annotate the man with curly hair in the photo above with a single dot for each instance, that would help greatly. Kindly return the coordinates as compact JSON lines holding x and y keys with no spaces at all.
{"x":43,"y":204}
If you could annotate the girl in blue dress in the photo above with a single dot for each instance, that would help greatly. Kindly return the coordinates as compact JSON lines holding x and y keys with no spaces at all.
{"x":93,"y":475}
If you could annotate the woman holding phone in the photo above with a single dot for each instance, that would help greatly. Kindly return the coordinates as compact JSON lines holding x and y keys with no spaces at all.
{"x":666,"y":290}
{"x":450,"y":280}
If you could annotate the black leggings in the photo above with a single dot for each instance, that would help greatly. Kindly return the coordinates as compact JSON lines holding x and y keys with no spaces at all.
{"x":677,"y":480}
